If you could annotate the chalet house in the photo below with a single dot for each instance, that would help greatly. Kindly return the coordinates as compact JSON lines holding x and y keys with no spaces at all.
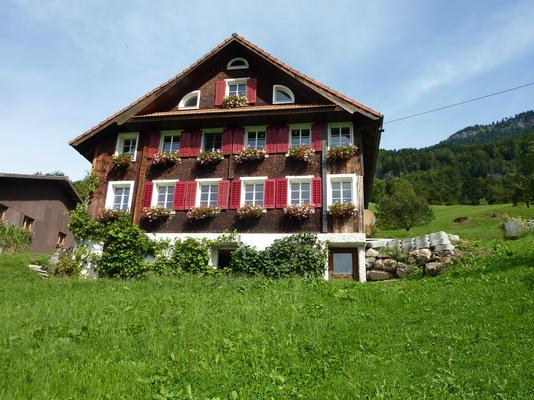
{"x":250,"y":131}
{"x":38,"y":204}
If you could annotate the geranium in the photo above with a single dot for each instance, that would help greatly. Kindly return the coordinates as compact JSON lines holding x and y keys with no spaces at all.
{"x":341,"y":152}
{"x":341,"y":210}
{"x":299,"y":211}
{"x":164,"y":158}
{"x":155,"y":214}
{"x":210,"y":157}
{"x":250,"y":154}
{"x":122,"y":160}
{"x":107,"y":214}
{"x":250,"y":211}
{"x":233,"y":102}
{"x":202,"y":212}
{"x":302,"y":153}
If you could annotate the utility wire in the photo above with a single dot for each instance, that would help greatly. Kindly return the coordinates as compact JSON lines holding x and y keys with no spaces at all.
{"x":458,"y":104}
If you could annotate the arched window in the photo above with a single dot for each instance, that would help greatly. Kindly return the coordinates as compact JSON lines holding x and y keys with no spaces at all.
{"x":237,"y":63}
{"x":282,"y":95}
{"x":190,"y":101}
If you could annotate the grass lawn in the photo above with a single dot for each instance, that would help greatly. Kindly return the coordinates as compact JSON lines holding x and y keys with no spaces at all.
{"x":466,"y":334}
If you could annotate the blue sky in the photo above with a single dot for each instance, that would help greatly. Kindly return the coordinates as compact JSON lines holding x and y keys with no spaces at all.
{"x":65,"y":66}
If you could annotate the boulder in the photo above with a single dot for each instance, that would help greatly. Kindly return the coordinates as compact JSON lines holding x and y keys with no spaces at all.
{"x":433,"y":268}
{"x":421,"y":256}
{"x":371,"y":253}
{"x":369,"y":262}
{"x":444,"y":246}
{"x":404,"y":269}
{"x":379,"y":275}
{"x":390,"y":264}
{"x":379,"y":264}
{"x":454,"y":238}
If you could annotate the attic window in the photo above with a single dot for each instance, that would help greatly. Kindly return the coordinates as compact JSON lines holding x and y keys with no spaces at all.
{"x":237,"y":63}
{"x":190,"y":101}
{"x":282,"y":95}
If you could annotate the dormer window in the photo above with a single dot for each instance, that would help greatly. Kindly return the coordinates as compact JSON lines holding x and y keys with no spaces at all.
{"x":190,"y":101}
{"x":282,"y":95}
{"x":237,"y":63}
{"x":236,"y":87}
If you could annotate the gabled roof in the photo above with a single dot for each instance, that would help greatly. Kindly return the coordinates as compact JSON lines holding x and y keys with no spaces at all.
{"x":62,"y":181}
{"x":344,"y":102}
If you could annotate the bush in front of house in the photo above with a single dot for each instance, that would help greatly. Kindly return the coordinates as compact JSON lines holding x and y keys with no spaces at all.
{"x":13,"y":238}
{"x":190,"y":255}
{"x":246,"y":260}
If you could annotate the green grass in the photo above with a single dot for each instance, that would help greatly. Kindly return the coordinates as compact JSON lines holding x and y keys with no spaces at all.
{"x":465,"y":334}
{"x":483,"y":221}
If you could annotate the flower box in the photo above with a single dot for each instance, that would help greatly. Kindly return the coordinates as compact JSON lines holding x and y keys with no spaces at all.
{"x":341,"y":210}
{"x":202,"y":213}
{"x":166,"y":158}
{"x":210,"y":157}
{"x":301,"y":153}
{"x":122,"y":160}
{"x":341,"y":152}
{"x":233,"y":102}
{"x":299,"y":211}
{"x":250,"y":154}
{"x":250,"y":211}
{"x":108,"y":215}
{"x":155,"y":214}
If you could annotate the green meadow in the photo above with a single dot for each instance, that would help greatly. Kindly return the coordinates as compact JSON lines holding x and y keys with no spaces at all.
{"x":467,"y":334}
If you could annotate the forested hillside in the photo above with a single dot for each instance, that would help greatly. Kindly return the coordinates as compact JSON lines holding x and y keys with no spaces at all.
{"x":484,"y":163}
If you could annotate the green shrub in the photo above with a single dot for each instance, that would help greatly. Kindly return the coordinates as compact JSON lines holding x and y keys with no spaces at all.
{"x":83,"y":226}
{"x":13,"y":238}
{"x":68,"y":264}
{"x":247,"y":260}
{"x":190,"y":255}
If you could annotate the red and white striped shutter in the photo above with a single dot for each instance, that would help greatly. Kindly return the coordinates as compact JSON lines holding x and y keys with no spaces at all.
{"x":251,"y":90}
{"x":227,"y":143}
{"x":317,"y":136}
{"x":222,"y":196}
{"x":238,"y":140}
{"x":269,"y":193}
{"x":153,"y":144}
{"x":179,"y":196}
{"x":281,"y":193}
{"x":147,"y":195}
{"x":220,"y":89}
{"x":316,"y":193}
{"x":190,"y":194}
{"x":282,"y":143}
{"x":271,"y":139}
{"x":235,"y":194}
{"x":195,"y":140}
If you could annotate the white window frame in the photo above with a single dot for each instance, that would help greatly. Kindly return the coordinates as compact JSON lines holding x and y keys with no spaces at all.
{"x":285,"y":89}
{"x":110,"y":194}
{"x":205,"y":181}
{"x":299,"y":126}
{"x":177,"y":132}
{"x":157,"y":184}
{"x":120,"y":142}
{"x":231,"y":67}
{"x":341,"y":178}
{"x":210,"y":130}
{"x":256,"y":128}
{"x":249,"y":180}
{"x":235,"y":81}
{"x":181,"y":104}
{"x":298,"y":179}
{"x":340,"y":125}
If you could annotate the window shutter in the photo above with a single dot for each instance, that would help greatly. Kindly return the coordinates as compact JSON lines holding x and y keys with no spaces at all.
{"x":317,"y":137}
{"x":153,"y":144}
{"x":235,"y":194}
{"x":251,"y":90}
{"x":222,"y":198}
{"x":220,"y":89}
{"x":185,"y":140}
{"x":190,"y":194}
{"x":281,"y":193}
{"x":179,"y":195}
{"x":227,"y":138}
{"x":195,"y":139}
{"x":269,"y":193}
{"x":270,"y":140}
{"x":238,"y":140}
{"x":316,"y":192}
{"x":147,"y":195}
{"x":282,"y":143}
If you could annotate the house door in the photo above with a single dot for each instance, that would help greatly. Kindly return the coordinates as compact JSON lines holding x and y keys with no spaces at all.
{"x":343,"y":263}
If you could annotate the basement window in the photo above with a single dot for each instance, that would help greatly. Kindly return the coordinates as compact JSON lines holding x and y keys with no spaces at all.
{"x":190,"y":101}
{"x":61,"y":239}
{"x":3,"y":210}
{"x":27,"y":223}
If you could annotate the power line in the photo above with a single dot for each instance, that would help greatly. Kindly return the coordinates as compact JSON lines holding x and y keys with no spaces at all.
{"x":460,"y":103}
